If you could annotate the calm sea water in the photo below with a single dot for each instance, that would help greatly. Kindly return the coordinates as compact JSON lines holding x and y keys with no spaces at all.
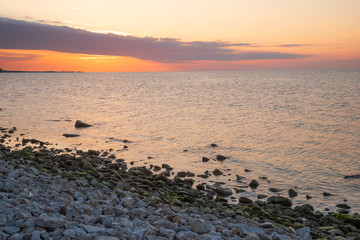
{"x":300,"y":129}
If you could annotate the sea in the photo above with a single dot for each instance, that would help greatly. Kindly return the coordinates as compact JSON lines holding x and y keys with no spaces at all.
{"x":296,"y":129}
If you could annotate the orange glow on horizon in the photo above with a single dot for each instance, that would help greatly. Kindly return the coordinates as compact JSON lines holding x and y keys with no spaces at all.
{"x":42,"y":60}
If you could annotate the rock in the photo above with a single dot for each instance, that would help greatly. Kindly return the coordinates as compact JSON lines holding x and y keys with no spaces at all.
{"x":252,"y":236}
{"x":217,"y":172}
{"x":93,"y":152}
{"x":239,"y":190}
{"x":93,"y":229}
{"x":198,"y":227}
{"x":292,"y":193}
{"x":81,"y":124}
{"x":162,"y":177}
{"x":343,"y":206}
{"x":36,"y":235}
{"x":220,"y":157}
{"x":352,"y":176}
{"x":305,"y":208}
{"x":68,"y":135}
{"x":261,"y":196}
{"x":254,"y":183}
{"x":49,"y":222}
{"x":166,"y":166}
{"x":11,"y":229}
{"x":222,"y":191}
{"x":245,"y":200}
{"x":128,"y":203}
{"x":63,"y":210}
{"x":326,"y":194}
{"x":205,"y":159}
{"x":248,"y":229}
{"x":182,"y":174}
{"x":266,"y":225}
{"x":74,"y":233}
{"x":16,"y":236}
{"x":213,"y":145}
{"x":280,"y":200}
{"x":157,"y":168}
{"x":304,"y":233}
{"x":274,"y":190}
{"x":336,"y":232}
{"x":239,"y":178}
{"x":106,"y":238}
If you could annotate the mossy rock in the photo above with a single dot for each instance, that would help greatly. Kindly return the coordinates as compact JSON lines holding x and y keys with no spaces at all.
{"x":68,"y":162}
{"x":80,"y":173}
{"x":346,"y":218}
{"x":39,"y":159}
{"x":220,"y":199}
{"x":254,"y":184}
{"x":54,"y":170}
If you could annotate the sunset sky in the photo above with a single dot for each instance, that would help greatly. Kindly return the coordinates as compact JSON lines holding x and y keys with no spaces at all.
{"x":163,"y":35}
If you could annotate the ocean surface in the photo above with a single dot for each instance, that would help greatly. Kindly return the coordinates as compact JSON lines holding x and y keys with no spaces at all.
{"x":300,"y":129}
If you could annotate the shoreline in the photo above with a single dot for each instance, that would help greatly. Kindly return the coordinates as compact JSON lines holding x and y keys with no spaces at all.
{"x":131,"y":185}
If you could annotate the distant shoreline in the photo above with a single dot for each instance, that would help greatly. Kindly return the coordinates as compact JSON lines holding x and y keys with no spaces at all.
{"x":6,"y":71}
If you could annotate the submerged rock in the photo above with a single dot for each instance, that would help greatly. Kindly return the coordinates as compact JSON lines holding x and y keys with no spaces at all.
{"x":254,"y":183}
{"x":205,"y":159}
{"x":352,"y":176}
{"x":81,"y":124}
{"x":220,"y":157}
{"x":343,"y":206}
{"x":68,"y":135}
{"x":292,"y":193}
{"x":217,"y":172}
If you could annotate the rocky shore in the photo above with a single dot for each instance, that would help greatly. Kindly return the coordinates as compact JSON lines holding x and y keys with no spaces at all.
{"x":48,"y":193}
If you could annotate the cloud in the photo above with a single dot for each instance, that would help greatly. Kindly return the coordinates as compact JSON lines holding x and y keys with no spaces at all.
{"x":17,"y":56}
{"x":292,"y":45}
{"x":16,"y":34}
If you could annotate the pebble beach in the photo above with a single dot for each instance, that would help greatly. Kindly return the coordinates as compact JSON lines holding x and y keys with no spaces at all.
{"x":49,"y":193}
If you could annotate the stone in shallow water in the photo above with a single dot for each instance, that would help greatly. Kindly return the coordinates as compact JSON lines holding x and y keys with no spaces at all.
{"x":292,"y":193}
{"x":181,"y":174}
{"x":81,"y":124}
{"x":220,"y":157}
{"x":343,"y":206}
{"x":217,"y":172}
{"x":254,"y":183}
{"x":245,"y":200}
{"x":68,"y":135}
{"x":280,"y":200}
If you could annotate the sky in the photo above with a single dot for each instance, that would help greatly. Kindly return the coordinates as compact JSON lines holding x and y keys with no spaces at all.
{"x":164,"y":35}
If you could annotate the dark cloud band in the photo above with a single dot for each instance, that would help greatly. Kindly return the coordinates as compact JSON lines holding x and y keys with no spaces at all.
{"x":16,"y":34}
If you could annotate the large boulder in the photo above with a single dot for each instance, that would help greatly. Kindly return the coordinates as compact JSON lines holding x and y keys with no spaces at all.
{"x":81,"y":124}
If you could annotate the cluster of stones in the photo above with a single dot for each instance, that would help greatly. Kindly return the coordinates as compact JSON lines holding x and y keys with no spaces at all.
{"x":57,"y":194}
